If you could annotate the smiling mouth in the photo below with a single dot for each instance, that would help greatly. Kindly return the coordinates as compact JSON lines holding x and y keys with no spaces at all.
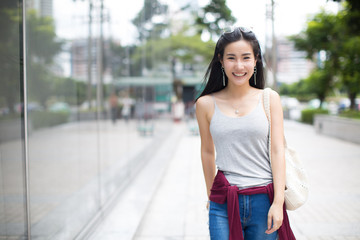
{"x":239,"y":74}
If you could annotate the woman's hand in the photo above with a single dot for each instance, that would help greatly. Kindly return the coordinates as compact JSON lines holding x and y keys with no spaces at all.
{"x":275,"y":218}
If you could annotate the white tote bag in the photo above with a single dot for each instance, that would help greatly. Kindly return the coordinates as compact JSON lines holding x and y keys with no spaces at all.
{"x":296,"y":186}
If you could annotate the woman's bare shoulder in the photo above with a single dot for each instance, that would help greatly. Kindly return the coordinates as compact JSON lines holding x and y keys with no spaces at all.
{"x":205,"y":101}
{"x":274,"y":96}
{"x":205,"y":106}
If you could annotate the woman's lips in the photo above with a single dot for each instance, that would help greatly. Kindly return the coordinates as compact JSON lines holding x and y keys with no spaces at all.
{"x":239,"y":74}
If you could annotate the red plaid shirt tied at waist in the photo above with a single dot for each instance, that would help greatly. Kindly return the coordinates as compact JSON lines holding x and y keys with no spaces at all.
{"x":222,"y":192}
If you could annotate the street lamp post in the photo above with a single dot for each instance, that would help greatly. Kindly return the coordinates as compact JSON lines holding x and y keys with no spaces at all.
{"x":89,"y":57}
{"x":99,"y":89}
{"x":273,"y":47}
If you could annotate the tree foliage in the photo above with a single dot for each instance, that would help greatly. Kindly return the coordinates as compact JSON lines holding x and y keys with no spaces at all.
{"x":143,"y":21}
{"x":43,"y":45}
{"x":319,"y":82}
{"x":182,"y":46}
{"x":158,"y":46}
{"x":214,"y":17}
{"x":42,"y":40}
{"x":68,"y":90}
{"x":350,"y":68}
{"x":336,"y":35}
{"x":9,"y":54}
{"x":122,"y":63}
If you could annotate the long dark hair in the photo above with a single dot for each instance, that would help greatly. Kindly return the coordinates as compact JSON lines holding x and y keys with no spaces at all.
{"x":213,"y":76}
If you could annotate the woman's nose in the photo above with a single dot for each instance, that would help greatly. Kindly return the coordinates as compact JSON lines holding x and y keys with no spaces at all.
{"x":239,"y":64}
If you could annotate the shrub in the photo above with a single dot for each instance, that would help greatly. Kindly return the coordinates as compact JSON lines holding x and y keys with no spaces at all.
{"x":350,"y":114}
{"x":307,"y":115}
{"x":48,"y":119}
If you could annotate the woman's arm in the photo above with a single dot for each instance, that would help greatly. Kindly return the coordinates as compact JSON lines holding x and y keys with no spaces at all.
{"x":204,"y":107}
{"x":275,"y":216}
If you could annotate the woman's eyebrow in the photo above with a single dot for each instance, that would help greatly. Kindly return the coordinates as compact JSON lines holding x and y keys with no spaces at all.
{"x":232,"y":54}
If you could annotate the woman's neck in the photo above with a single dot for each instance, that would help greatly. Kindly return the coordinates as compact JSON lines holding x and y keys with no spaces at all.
{"x":236,"y":92}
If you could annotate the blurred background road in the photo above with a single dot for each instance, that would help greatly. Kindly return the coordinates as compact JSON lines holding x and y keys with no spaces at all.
{"x":175,"y":209}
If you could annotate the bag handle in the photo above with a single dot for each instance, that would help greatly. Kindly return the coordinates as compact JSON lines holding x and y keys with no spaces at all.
{"x":266,"y":100}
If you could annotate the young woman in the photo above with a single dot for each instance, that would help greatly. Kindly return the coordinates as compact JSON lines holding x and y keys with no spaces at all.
{"x":247,"y":194}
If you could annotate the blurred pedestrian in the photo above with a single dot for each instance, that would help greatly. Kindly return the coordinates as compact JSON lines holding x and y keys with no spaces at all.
{"x":126,"y":107}
{"x":246,"y":195}
{"x":113,"y":102}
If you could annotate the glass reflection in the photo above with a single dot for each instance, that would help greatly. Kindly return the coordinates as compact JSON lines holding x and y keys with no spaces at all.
{"x":63,"y":141}
{"x":12,"y":189}
{"x":104,"y":84}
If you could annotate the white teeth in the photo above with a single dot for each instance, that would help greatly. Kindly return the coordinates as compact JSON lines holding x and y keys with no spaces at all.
{"x":239,"y":75}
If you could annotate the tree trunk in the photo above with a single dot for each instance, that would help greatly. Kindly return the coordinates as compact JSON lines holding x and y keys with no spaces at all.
{"x":352,"y":97}
{"x":321,"y":98}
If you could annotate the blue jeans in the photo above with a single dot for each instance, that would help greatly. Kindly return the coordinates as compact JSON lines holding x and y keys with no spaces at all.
{"x":253,"y":214}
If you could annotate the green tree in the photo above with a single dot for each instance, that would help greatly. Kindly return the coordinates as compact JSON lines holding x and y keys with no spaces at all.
{"x":68,"y":90}
{"x":122,"y":61}
{"x":43,"y":45}
{"x":350,"y":70}
{"x":10,"y":19}
{"x":183,"y":46}
{"x":41,"y":36}
{"x":319,"y":83}
{"x":324,"y":34}
{"x":352,"y":17}
{"x":214,"y":17}
{"x":301,"y":90}
{"x":350,"y":50}
{"x":338,"y":36}
{"x":147,"y":28}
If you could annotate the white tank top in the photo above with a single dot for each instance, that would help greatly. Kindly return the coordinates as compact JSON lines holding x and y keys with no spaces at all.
{"x":241,"y":145}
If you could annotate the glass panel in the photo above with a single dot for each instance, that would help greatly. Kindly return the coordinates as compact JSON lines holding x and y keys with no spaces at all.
{"x":105,"y":83}
{"x":138,"y":85}
{"x":63,"y":135}
{"x":12,"y":189}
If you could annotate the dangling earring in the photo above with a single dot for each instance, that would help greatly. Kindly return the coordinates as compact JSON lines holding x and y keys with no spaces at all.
{"x":222,"y":69}
{"x":255,"y":75}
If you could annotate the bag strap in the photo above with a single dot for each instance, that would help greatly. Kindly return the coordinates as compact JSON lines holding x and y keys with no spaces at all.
{"x":266,"y":99}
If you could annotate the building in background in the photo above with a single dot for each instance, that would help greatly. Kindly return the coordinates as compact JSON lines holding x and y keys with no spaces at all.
{"x":43,"y":7}
{"x":292,"y":65}
{"x":79,"y":58}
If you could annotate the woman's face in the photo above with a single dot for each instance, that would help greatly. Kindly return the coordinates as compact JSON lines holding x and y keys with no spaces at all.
{"x":238,"y":62}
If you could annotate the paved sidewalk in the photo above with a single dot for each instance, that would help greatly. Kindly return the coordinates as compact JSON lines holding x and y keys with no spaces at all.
{"x":176,"y":208}
{"x":333,"y":209}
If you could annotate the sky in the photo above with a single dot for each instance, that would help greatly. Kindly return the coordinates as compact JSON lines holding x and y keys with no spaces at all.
{"x":290,"y":16}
